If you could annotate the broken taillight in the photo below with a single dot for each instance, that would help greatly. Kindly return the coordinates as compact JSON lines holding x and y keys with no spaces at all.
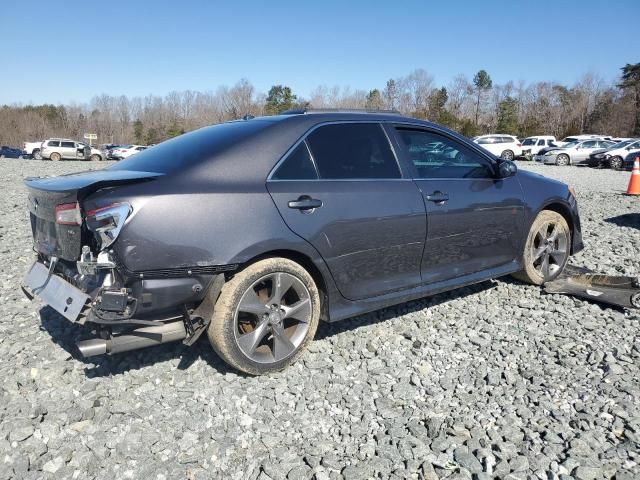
{"x":68,"y":214}
{"x":107,"y":222}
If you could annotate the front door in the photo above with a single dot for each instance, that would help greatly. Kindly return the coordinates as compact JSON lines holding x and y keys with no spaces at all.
{"x":342,"y":191}
{"x":475,"y":221}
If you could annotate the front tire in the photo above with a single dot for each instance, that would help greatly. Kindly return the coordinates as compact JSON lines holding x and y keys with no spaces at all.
{"x":562,"y":160}
{"x":95,"y":158}
{"x":265,"y":316}
{"x":507,"y":155}
{"x":616,"y":163}
{"x":547,"y":249}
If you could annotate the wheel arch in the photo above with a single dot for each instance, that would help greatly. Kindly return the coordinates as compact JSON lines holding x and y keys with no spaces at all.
{"x":308,"y":264}
{"x":564,"y":210}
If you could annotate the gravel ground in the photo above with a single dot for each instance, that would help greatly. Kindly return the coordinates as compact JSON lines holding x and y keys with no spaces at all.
{"x":494,"y":380}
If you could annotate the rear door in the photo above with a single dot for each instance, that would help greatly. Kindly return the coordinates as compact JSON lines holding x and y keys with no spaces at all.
{"x":341,"y":189}
{"x":68,"y":149}
{"x":585,"y":149}
{"x":475,"y":221}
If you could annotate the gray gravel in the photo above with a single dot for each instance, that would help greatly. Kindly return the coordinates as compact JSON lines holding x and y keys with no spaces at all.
{"x":494,"y":380}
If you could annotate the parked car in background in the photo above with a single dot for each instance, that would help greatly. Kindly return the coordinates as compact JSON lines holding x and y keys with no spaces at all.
{"x":504,"y":146}
{"x":627,"y":163}
{"x":291,"y":219}
{"x":64,"y":149}
{"x":578,"y":138}
{"x":613,"y":157}
{"x":8,"y":152}
{"x":126,"y":151}
{"x":574,"y":153}
{"x":532,"y":145}
{"x":95,"y":154}
{"x":33,"y":149}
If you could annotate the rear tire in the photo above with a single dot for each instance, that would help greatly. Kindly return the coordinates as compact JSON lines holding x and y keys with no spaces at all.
{"x":36,"y":154}
{"x":547,"y":249}
{"x":507,"y":155}
{"x":616,"y":163}
{"x":265,"y":316}
{"x":55,"y":157}
{"x":562,"y":160}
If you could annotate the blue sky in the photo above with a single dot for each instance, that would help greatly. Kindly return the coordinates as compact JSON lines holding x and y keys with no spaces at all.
{"x":53,"y":51}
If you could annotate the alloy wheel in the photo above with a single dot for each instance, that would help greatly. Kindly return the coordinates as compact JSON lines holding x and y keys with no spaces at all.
{"x":550,"y":249}
{"x":272,"y":318}
{"x":507,"y":155}
{"x":615,"y":163}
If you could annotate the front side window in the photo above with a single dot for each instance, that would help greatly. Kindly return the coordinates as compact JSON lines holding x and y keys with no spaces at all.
{"x":352,"y":151}
{"x":296,"y":166}
{"x":541,"y":142}
{"x":450,"y":159}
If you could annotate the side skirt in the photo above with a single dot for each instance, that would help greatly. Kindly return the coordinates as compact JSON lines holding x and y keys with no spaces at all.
{"x":345,"y":309}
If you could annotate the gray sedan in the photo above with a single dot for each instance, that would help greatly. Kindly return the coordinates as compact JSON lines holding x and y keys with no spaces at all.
{"x":573,"y":153}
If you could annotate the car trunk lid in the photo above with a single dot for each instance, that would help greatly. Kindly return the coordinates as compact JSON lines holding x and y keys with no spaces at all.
{"x":45,"y":194}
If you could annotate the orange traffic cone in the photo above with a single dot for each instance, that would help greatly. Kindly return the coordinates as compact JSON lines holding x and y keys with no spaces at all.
{"x":634,"y":181}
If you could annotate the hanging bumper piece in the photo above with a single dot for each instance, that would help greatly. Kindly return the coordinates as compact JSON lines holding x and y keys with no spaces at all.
{"x":610,"y":289}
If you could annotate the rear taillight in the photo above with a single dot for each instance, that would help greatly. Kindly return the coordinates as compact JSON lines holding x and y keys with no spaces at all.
{"x":107,"y":222}
{"x":68,"y":214}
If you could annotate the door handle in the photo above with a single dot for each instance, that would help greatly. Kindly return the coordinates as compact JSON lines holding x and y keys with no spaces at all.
{"x":305,"y":202}
{"x":438,"y":197}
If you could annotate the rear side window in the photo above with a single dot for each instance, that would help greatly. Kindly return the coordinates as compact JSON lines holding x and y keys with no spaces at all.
{"x":53,"y":143}
{"x":486,"y":141}
{"x":508,"y":139}
{"x":529,"y":141}
{"x":191,"y":148}
{"x":352,"y":151}
{"x":68,"y":145}
{"x":297,"y":166}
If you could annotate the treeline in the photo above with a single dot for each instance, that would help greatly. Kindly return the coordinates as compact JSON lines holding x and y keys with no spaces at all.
{"x":470,"y":105}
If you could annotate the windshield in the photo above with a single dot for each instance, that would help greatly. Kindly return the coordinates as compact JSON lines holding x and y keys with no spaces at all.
{"x":622,"y":144}
{"x":191,"y":148}
{"x":569,"y":139}
{"x":571,"y":144}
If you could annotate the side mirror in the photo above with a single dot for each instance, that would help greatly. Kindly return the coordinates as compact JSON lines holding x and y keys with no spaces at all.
{"x":506,"y":169}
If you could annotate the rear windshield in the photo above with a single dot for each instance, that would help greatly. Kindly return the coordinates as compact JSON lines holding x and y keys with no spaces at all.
{"x":191,"y":148}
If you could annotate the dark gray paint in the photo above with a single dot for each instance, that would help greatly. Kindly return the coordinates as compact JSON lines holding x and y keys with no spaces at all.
{"x":367,"y":240}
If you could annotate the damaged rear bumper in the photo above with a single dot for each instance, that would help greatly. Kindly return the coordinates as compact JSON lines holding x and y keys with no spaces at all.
{"x":620,"y":291}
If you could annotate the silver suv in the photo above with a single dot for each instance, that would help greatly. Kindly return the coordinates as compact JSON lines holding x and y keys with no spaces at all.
{"x":62,"y":148}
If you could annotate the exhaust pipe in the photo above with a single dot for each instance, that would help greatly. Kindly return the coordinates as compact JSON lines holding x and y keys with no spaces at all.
{"x":139,"y":338}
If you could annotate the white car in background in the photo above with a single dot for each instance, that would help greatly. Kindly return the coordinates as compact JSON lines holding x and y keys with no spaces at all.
{"x":579,"y":138}
{"x":33,"y":149}
{"x":614,"y":158}
{"x":573,"y":153}
{"x":126,"y":151}
{"x":532,"y":145}
{"x":503,"y":146}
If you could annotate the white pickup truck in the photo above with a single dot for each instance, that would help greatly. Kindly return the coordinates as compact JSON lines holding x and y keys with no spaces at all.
{"x":33,"y":149}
